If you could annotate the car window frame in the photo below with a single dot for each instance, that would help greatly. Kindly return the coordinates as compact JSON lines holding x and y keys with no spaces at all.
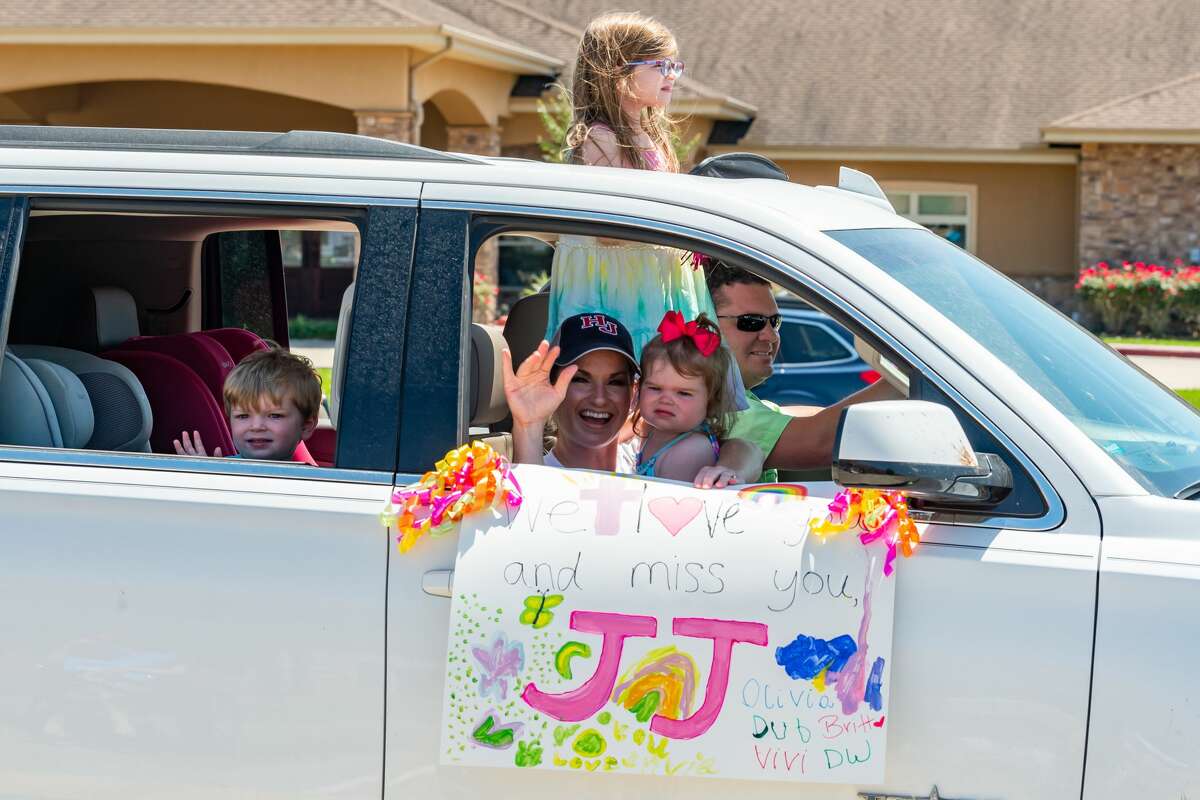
{"x":489,"y":219}
{"x":376,"y":309}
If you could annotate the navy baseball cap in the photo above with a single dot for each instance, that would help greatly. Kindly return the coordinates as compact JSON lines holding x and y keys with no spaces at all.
{"x":586,"y":333}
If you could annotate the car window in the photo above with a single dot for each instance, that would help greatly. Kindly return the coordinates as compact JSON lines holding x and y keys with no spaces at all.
{"x":125,"y":330}
{"x":1151,"y":433}
{"x":805,"y":343}
{"x":242,"y":292}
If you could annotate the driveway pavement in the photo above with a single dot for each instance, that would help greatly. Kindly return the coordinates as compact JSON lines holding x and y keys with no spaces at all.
{"x":318,"y":351}
{"x":1175,"y":373}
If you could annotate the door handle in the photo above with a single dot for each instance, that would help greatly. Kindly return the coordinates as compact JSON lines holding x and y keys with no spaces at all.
{"x":438,"y":582}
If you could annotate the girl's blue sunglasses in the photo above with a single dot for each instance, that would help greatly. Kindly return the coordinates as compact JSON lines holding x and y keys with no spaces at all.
{"x":667,"y":66}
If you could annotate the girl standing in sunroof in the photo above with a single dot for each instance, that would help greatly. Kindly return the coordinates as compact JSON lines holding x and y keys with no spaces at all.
{"x":625,"y":74}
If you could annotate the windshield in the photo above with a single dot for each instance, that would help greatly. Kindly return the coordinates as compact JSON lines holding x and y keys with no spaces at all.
{"x":1153,"y":434}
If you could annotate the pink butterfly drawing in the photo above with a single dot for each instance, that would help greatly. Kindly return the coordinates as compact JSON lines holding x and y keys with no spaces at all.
{"x":498,"y":663}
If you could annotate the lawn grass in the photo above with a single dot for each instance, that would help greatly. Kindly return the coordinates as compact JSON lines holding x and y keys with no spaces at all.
{"x":1148,"y":341}
{"x":1191,"y":395}
{"x":325,"y":373}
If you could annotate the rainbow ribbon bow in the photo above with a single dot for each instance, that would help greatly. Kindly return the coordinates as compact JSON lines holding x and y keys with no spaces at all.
{"x":468,"y":480}
{"x":880,"y":515}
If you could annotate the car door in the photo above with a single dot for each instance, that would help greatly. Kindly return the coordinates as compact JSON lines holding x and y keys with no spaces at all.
{"x":184,"y":627}
{"x":984,"y":596}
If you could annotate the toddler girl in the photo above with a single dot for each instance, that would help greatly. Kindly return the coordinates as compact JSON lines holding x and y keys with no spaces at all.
{"x":684,"y":403}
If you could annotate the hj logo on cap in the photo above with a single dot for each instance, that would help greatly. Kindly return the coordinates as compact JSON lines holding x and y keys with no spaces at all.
{"x":598,"y":321}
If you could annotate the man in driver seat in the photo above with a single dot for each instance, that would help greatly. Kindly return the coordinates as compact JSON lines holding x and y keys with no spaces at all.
{"x":750,"y":319}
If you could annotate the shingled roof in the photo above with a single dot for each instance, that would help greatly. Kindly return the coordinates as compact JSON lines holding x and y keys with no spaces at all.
{"x":1157,"y":112}
{"x":924,"y":74}
{"x":25,"y":14}
{"x":955,"y":74}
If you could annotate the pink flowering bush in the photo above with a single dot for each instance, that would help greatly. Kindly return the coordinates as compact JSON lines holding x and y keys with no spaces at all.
{"x":1143,"y":298}
{"x":484,"y":293}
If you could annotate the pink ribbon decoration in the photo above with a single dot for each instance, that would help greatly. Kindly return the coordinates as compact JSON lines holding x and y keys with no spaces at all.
{"x":673,"y":327}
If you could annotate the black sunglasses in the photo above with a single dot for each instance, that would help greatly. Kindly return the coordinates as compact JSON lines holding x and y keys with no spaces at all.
{"x":753,"y":323}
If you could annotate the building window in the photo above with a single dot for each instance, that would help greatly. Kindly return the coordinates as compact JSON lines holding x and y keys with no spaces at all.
{"x":946,"y":209}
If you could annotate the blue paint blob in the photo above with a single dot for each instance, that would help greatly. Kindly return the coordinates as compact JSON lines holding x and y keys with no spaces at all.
{"x":805,"y":656}
{"x":874,"y":693}
{"x":844,"y":646}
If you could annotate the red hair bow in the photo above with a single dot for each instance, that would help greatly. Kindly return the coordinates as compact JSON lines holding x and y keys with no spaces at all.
{"x":673,"y":327}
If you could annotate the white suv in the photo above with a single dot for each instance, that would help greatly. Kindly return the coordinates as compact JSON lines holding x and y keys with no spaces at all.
{"x":189,"y":627}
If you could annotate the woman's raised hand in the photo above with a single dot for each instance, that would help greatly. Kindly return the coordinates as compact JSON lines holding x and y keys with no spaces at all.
{"x":532,"y":399}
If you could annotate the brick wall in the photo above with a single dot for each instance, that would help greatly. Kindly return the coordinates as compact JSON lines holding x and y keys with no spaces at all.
{"x":1138,"y":202}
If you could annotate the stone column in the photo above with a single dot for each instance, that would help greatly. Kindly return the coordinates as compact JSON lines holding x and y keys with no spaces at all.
{"x":480,"y":140}
{"x":1138,"y":202}
{"x":387,"y":124}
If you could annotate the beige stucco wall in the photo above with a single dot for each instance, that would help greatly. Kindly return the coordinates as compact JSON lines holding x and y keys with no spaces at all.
{"x":167,"y":104}
{"x":349,"y":77}
{"x":1026,"y":215}
{"x":466,"y":94}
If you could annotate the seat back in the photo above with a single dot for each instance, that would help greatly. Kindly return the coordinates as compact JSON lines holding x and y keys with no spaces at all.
{"x":179,"y":400}
{"x":526,"y":325}
{"x":341,"y":344}
{"x":72,"y":406}
{"x":205,"y":356}
{"x":486,"y":385}
{"x":27,"y":415}
{"x":120,"y":410}
{"x":238,"y":342}
{"x":486,"y":376}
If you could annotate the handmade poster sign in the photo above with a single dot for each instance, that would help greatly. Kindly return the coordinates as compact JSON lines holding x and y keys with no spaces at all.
{"x":614,"y":625}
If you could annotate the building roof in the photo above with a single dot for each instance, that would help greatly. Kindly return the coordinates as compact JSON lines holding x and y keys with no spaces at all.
{"x":870,"y":74}
{"x":1167,"y":112}
{"x":544,"y":30}
{"x":228,"y":14}
{"x":963,"y":74}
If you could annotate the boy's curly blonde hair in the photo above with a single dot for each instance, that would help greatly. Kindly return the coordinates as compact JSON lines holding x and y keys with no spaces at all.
{"x":276,"y":375}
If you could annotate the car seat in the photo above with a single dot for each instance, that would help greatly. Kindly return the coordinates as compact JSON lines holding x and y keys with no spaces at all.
{"x":179,"y":399}
{"x":238,"y":342}
{"x":526,"y":325}
{"x":120,"y":409}
{"x":486,"y":386}
{"x":42,"y":405}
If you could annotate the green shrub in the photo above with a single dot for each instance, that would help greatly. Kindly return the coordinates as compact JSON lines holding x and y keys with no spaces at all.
{"x":1143,"y":298}
{"x":302,"y":327}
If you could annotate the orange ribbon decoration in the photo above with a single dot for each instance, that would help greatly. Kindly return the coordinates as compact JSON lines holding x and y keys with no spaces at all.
{"x":879,"y":514}
{"x":468,"y":480}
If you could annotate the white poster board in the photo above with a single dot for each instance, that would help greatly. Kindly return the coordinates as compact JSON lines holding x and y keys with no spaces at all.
{"x":614,"y":625}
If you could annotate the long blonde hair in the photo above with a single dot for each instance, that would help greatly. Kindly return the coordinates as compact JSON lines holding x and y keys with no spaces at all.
{"x":601,"y":80}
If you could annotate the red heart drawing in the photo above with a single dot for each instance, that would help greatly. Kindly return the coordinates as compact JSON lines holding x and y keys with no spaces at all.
{"x":675,"y":514}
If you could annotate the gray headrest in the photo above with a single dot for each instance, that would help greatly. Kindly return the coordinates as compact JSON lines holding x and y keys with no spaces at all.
{"x":341,"y":343}
{"x":119,"y":404}
{"x":487,"y":377}
{"x":27,"y":415}
{"x":116,"y":316}
{"x":71,"y":402}
{"x":526,"y":325}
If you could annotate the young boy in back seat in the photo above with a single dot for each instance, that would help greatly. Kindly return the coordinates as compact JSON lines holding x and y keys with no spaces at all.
{"x":272,"y":399}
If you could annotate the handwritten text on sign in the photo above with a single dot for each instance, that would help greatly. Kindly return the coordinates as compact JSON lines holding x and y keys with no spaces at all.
{"x":612,"y":625}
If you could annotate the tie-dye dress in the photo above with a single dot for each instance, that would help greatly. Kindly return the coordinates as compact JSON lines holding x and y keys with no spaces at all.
{"x":634,"y":282}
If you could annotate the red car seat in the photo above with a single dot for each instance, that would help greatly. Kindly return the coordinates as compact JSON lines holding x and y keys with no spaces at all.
{"x":239,"y":342}
{"x":178,"y":398}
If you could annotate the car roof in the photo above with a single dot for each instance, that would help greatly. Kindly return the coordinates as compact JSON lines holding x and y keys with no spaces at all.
{"x":364,"y":166}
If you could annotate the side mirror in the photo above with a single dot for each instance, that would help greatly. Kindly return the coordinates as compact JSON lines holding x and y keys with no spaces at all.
{"x":919,"y":447}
